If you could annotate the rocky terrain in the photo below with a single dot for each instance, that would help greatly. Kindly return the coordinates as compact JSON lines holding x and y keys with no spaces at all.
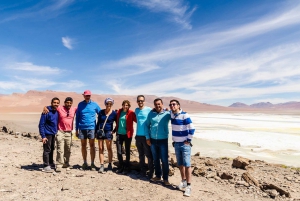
{"x":213,"y":178}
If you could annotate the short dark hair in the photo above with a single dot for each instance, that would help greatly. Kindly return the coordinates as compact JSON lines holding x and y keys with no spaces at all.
{"x":69,"y":99}
{"x":174,"y":100}
{"x":140,"y":96}
{"x":158,"y":99}
{"x":55,"y":98}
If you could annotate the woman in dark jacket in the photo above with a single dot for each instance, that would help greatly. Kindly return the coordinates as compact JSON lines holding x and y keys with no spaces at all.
{"x":124,"y":130}
{"x":110,"y":116}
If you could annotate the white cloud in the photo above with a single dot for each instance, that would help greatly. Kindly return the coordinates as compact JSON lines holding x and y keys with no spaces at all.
{"x":30,"y":67}
{"x":179,"y":11}
{"x":67,"y":42}
{"x":47,"y":11}
{"x":210,"y":66}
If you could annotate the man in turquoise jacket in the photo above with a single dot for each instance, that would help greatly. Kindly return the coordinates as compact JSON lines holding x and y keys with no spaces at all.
{"x":157,"y":137}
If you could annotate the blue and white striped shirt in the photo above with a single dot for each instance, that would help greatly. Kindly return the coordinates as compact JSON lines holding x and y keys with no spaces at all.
{"x":182,"y":127}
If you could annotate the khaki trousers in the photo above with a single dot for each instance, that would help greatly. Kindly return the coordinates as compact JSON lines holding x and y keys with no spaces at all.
{"x":63,"y":144}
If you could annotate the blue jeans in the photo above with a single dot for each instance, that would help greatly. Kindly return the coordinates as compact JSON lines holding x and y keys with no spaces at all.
{"x":86,"y":134}
{"x":183,"y":154}
{"x":159,"y":149}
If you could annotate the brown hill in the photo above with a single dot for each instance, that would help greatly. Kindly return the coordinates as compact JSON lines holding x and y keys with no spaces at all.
{"x":34,"y":101}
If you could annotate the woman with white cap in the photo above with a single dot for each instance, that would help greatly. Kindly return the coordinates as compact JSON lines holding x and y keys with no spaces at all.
{"x":106,"y":119}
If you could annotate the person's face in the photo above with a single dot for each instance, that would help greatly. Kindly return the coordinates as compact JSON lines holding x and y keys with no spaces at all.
{"x":68,"y":104}
{"x":158,"y":106}
{"x":125,"y":107}
{"x":108,"y":105}
{"x":87,"y":98}
{"x":55,"y":104}
{"x":140,"y":101}
{"x":174,"y":106}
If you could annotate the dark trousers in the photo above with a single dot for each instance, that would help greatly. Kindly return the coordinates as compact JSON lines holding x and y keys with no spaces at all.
{"x":48,"y":150}
{"x":144,"y":150}
{"x":159,"y":149}
{"x":120,"y":140}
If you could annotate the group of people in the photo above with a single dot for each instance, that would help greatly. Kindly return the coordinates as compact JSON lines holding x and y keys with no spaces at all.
{"x":152,"y":132}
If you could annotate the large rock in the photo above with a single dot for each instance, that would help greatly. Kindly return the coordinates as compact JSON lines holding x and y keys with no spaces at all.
{"x":226,"y":175}
{"x":171,"y":171}
{"x":4,"y":129}
{"x":199,"y":171}
{"x":210,"y":163}
{"x":249,"y":179}
{"x":240,"y":162}
{"x":267,"y":187}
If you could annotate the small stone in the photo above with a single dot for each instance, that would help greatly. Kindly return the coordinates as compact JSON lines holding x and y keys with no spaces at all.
{"x":121,"y":188}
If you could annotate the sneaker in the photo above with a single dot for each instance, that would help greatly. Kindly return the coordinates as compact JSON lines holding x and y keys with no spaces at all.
{"x":93,"y":167}
{"x":187,"y":191}
{"x":66,"y":165}
{"x":52,"y":166}
{"x":101,"y":169}
{"x":167,"y":183}
{"x":47,"y":169}
{"x":155,"y":179}
{"x":109,"y":167}
{"x":58,"y":169}
{"x":85,"y":166}
{"x":182,"y":185}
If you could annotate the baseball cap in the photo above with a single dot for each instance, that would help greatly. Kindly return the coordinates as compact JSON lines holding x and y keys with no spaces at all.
{"x":87,"y":93}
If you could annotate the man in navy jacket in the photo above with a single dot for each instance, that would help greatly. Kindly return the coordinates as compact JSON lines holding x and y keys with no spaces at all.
{"x":48,"y":129}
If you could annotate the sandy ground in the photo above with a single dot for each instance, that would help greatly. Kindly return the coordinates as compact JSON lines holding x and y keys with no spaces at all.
{"x":22,"y":178}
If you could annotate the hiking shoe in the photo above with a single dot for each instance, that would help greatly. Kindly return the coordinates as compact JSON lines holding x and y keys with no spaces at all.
{"x":47,"y":169}
{"x":182,"y":185}
{"x":66,"y":165}
{"x":93,"y":167}
{"x":85,"y":166}
{"x":58,"y":169}
{"x":52,"y":166}
{"x":155,"y":179}
{"x":167,"y":183}
{"x":109,"y":167}
{"x":187,"y":191}
{"x":101,"y":169}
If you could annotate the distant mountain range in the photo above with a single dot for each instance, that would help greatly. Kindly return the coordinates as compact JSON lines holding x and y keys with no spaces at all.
{"x":268,"y":105}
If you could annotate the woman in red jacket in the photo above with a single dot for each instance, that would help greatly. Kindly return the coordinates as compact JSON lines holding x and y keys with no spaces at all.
{"x":124,"y":129}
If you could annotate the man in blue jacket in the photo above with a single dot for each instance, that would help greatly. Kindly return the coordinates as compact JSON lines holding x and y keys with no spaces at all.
{"x":157,"y":137}
{"x":48,"y":129}
{"x":85,"y":126}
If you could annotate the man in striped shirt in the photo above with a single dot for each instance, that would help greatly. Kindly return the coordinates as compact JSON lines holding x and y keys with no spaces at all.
{"x":182,"y":133}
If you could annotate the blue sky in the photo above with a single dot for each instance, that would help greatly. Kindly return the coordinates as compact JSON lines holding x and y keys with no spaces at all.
{"x":211,"y":51}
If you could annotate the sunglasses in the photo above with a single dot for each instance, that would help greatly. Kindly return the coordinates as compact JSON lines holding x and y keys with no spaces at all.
{"x":172,"y":104}
{"x":140,"y":101}
{"x":108,"y":104}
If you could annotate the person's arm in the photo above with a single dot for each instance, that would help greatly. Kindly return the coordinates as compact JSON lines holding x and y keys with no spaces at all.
{"x":190,"y":127}
{"x":45,"y":110}
{"x":42,"y":127}
{"x":134,"y":117}
{"x":147,"y":130}
{"x":115,"y":120}
{"x":77,"y":120}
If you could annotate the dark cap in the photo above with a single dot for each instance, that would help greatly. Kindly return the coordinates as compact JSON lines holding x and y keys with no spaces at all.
{"x":69,"y":99}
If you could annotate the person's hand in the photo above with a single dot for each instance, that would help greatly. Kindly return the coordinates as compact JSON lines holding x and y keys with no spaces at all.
{"x":148,"y":142}
{"x":44,"y":140}
{"x":187,"y":143}
{"x":77,"y":133}
{"x":45,"y":110}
